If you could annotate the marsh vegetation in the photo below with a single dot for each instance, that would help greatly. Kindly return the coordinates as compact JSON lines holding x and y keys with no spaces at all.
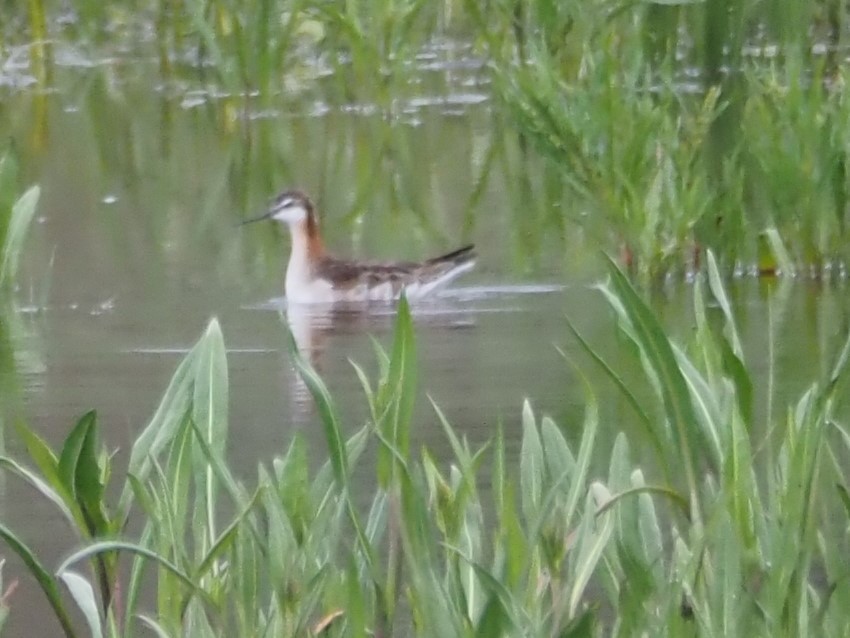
{"x":699,"y":488}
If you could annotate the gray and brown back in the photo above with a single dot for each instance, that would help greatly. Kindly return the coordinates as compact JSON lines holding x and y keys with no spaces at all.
{"x":376,"y":281}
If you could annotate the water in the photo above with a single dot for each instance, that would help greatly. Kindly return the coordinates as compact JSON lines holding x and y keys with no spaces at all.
{"x":137,"y":245}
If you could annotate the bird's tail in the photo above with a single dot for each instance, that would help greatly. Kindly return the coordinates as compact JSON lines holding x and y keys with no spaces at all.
{"x":456,"y":257}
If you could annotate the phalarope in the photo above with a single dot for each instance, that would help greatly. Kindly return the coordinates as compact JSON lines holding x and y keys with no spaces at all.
{"x":314,"y":276}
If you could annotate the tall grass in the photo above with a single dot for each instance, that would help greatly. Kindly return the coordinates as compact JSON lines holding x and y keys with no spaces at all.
{"x":676,"y":126}
{"x":713,"y":536}
{"x":672,"y":124}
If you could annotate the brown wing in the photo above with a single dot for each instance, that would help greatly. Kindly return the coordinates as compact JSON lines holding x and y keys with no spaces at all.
{"x":345,"y":273}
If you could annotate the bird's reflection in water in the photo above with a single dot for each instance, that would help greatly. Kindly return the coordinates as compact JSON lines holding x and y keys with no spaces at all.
{"x":314,"y":326}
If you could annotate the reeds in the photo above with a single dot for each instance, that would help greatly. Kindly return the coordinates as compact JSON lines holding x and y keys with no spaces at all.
{"x":687,"y":126}
{"x":673,"y":127}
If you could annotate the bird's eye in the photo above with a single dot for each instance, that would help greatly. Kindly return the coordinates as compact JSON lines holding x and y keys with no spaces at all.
{"x":286,"y":202}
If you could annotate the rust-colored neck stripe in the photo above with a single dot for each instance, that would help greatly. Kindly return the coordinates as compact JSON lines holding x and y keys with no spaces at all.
{"x":315,"y":247}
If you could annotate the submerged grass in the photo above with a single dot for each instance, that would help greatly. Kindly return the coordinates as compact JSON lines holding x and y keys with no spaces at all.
{"x":725,"y":541}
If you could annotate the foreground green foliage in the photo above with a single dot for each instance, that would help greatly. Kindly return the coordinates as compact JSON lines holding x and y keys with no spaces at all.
{"x":711,"y":538}
{"x":16,"y":215}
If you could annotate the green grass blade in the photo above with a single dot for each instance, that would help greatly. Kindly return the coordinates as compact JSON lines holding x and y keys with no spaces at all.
{"x":494,"y":620}
{"x":327,"y":414}
{"x":559,"y":458}
{"x":337,"y":448}
{"x":170,"y":415}
{"x":531,"y":465}
{"x":705,"y":403}
{"x":227,"y":535}
{"x":41,"y":454}
{"x":209,"y":412}
{"x":622,"y":386}
{"x":578,"y":479}
{"x":677,"y":499}
{"x":154,"y":626}
{"x":106,"y":547}
{"x":675,"y":393}
{"x":715,"y":284}
{"x":60,"y":498}
{"x":23,"y":212}
{"x":47,"y":582}
{"x":71,"y":450}
{"x":399,"y":392}
{"x":83,"y":594}
{"x":591,"y":543}
{"x":80,"y":471}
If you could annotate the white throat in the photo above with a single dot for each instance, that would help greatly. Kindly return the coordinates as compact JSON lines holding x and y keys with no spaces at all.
{"x":292,"y":214}
{"x":299,"y":271}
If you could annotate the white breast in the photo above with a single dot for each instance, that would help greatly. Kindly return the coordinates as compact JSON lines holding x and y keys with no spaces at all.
{"x":309,"y":290}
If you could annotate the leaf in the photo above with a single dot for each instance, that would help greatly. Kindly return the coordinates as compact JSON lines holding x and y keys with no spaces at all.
{"x":59,"y":496}
{"x":704,"y":400}
{"x":105,"y":547}
{"x":578,"y":479}
{"x":22,"y":213}
{"x":715,"y":284}
{"x":458,"y":449}
{"x":83,"y":594}
{"x":42,"y":576}
{"x":168,"y":418}
{"x":154,"y":626}
{"x":590,"y":545}
{"x":71,"y":451}
{"x":209,"y":416}
{"x":227,"y":536}
{"x":498,"y":619}
{"x":337,"y":447}
{"x":41,"y":454}
{"x":662,"y":490}
{"x":582,"y":626}
{"x":209,"y":402}
{"x":644,"y":419}
{"x":327,"y":414}
{"x":398,"y":395}
{"x":530,"y":464}
{"x":845,"y":498}
{"x":675,"y":394}
{"x":559,"y":458}
{"x":736,"y":370}
{"x":494,"y":620}
{"x":88,"y":483}
{"x":325,"y":622}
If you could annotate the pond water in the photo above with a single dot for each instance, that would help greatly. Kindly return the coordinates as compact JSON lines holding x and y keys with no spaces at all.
{"x":137,"y":245}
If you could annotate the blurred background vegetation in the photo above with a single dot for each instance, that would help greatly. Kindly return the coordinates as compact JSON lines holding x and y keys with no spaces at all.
{"x":672,"y":126}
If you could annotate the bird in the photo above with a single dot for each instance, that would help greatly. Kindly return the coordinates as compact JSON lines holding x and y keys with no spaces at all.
{"x":313,"y":276}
